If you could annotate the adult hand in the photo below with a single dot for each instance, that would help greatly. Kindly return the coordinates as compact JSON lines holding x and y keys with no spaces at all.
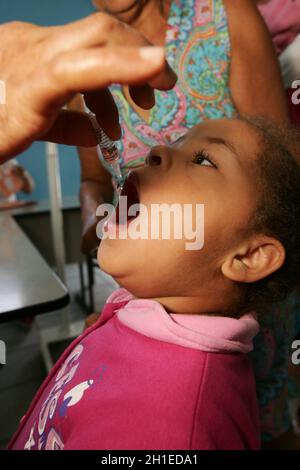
{"x":92,"y":194}
{"x":44,"y":67}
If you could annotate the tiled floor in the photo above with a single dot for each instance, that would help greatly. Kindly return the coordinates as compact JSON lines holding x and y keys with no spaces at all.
{"x":24,"y":370}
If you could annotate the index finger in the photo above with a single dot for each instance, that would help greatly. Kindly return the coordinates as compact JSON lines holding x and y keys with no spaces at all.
{"x":102,"y":104}
{"x":101,"y":29}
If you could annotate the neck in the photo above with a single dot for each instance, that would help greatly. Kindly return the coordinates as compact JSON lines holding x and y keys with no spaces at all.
{"x":151,"y":22}
{"x":192,"y":306}
{"x":206,"y":303}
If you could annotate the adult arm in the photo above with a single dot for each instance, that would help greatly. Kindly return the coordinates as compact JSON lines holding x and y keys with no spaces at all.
{"x":95,"y":186}
{"x":255,"y":78}
{"x":42,"y":68}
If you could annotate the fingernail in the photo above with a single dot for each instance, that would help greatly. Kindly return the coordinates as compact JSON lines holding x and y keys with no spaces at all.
{"x":152,"y":53}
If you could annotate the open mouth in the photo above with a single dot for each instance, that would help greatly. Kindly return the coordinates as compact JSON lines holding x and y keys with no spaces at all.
{"x":125,"y":213}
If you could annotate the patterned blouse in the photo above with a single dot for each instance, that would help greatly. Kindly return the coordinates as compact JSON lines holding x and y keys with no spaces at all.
{"x":198,"y":48}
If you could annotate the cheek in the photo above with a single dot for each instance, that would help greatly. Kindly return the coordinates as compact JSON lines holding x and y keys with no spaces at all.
{"x":226,"y":215}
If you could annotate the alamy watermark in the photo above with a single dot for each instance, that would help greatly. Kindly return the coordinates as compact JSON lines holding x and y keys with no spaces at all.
{"x":296,"y":354}
{"x":2,"y":353}
{"x":159,"y":222}
{"x":296,"y":93}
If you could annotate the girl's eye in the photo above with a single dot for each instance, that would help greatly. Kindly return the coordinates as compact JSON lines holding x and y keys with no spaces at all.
{"x":203,"y":159}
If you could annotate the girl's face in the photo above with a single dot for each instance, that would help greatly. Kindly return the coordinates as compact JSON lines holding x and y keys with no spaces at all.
{"x":214,"y":164}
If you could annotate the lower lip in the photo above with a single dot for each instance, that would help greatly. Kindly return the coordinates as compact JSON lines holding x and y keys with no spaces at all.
{"x":112,"y":228}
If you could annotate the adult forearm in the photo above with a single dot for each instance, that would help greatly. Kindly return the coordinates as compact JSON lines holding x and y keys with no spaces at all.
{"x":92,"y":194}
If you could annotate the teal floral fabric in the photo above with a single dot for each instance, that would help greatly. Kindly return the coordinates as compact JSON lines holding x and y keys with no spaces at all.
{"x":198,"y":48}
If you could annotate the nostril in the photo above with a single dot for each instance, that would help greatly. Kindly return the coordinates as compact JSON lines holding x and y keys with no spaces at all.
{"x":154,"y":160}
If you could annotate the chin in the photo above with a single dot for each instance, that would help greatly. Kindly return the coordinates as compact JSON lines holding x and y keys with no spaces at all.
{"x":116,"y":249}
{"x":116,"y":264}
{"x":114,"y":261}
{"x":108,"y":260}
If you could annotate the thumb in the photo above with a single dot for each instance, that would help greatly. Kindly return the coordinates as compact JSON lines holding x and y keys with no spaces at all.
{"x":71,"y":128}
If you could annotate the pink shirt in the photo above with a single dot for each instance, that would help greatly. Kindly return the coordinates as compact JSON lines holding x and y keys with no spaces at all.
{"x":143,"y":379}
{"x":283,"y":20}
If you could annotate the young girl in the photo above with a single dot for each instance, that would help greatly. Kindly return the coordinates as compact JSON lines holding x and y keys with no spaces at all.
{"x":226,"y":64}
{"x":223,"y":68}
{"x":165,"y":366}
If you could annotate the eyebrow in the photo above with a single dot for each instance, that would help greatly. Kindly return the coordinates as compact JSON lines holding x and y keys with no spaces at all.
{"x":220,"y":141}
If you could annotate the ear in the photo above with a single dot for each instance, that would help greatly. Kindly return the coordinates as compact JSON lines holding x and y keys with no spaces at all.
{"x":254,"y":260}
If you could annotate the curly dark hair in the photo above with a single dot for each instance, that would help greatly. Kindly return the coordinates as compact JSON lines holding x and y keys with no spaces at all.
{"x":278,"y":210}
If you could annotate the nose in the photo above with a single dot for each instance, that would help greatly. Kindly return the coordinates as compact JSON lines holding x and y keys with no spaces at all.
{"x":154,"y":160}
{"x":159,"y":156}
